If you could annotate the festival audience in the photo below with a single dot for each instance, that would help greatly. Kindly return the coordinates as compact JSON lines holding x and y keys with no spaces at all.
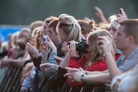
{"x":77,"y":52}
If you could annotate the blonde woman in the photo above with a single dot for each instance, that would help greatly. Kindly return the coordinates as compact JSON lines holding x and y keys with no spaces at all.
{"x":94,"y":60}
{"x":68,"y":28}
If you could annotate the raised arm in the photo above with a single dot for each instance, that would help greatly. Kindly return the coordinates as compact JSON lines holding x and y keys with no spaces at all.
{"x":100,"y":15}
{"x":104,"y":42}
{"x":71,"y":52}
{"x":122,"y":15}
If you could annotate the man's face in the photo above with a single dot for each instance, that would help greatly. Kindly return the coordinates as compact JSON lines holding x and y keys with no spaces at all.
{"x":52,"y":33}
{"x":45,"y":29}
{"x":121,"y":39}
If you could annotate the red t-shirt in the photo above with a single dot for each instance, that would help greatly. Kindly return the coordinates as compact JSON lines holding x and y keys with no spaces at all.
{"x":100,"y":65}
{"x":97,"y":66}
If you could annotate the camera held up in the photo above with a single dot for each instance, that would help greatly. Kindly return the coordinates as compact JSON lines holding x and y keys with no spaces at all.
{"x":81,"y":47}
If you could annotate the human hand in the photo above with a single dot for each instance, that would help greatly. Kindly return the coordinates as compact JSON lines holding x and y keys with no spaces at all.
{"x":100,"y":15}
{"x":5,"y":62}
{"x":50,"y":44}
{"x":72,"y":49}
{"x":122,"y":16}
{"x":25,"y":75}
{"x":26,"y":71}
{"x":99,"y":12}
{"x":28,"y":67}
{"x":32,"y":50}
{"x":48,"y":66}
{"x":105,"y":43}
{"x":74,"y":74}
{"x":44,"y":49}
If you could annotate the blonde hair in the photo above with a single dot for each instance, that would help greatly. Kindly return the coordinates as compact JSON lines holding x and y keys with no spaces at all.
{"x":25,"y":29}
{"x":70,"y":26}
{"x":15,"y":37}
{"x":35,"y":24}
{"x":35,"y":31}
{"x":49,"y":19}
{"x":115,"y":24}
{"x":95,"y":53}
{"x":4,"y":46}
{"x":36,"y":42}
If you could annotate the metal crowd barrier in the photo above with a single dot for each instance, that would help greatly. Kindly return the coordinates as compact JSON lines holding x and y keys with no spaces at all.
{"x":11,"y":80}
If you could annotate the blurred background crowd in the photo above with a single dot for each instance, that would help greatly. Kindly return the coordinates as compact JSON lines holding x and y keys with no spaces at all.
{"x":18,"y":13}
{"x":44,"y":43}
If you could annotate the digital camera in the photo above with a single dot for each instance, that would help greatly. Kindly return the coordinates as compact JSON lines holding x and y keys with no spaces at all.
{"x":81,"y":47}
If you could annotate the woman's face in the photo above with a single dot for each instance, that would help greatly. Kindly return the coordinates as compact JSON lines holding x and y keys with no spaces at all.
{"x":45,"y":29}
{"x":92,"y":48}
{"x":112,"y":30}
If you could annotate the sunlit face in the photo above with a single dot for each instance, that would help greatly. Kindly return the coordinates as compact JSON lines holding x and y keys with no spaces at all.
{"x":121,"y":39}
{"x":112,"y":30}
{"x":45,"y":29}
{"x":52,"y":34}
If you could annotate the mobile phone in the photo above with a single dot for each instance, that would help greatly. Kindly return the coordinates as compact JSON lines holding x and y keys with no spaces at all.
{"x":45,"y":38}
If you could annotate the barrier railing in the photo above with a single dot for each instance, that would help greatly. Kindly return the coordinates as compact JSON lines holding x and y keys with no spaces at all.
{"x":11,"y":80}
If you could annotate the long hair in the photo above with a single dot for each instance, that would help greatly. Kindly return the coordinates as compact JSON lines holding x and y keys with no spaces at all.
{"x":70,"y":26}
{"x":95,"y":53}
{"x":36,"y":42}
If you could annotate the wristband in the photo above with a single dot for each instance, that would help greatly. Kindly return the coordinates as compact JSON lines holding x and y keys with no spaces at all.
{"x":82,"y":77}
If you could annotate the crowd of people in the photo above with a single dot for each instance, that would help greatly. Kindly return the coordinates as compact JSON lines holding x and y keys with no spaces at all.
{"x":79,"y":55}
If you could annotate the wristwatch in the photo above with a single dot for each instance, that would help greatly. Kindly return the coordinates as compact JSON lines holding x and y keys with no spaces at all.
{"x":82,"y":77}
